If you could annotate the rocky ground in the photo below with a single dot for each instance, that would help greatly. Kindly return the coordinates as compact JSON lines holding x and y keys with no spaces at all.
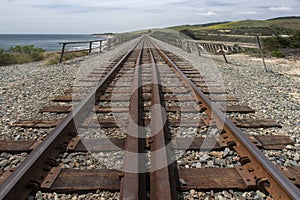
{"x":24,"y":89}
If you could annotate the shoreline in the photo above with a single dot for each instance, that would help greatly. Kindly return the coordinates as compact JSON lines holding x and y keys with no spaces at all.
{"x":48,"y":42}
{"x":34,"y":54}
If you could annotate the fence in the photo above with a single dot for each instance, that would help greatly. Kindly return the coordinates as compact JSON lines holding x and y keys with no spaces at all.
{"x":220,"y":48}
{"x":81,"y":42}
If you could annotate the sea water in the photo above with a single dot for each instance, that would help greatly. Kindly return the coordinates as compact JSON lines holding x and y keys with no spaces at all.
{"x":47,"y":42}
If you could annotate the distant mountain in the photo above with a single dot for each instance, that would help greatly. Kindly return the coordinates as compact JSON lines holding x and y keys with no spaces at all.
{"x":196,"y":26}
{"x":287,"y":17}
{"x":288,"y":23}
{"x":214,"y":23}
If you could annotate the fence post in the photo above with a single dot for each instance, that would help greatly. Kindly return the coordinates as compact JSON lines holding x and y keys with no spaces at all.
{"x":261,"y":52}
{"x":90,"y":50}
{"x":100,"y":45}
{"x":198,"y":49}
{"x":188,"y":49}
{"x":62,"y":53}
{"x":108,"y":44}
{"x":223,"y":53}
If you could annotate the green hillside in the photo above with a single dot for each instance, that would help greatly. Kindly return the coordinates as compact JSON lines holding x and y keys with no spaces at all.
{"x":196,"y":27}
{"x":283,"y":25}
{"x":238,"y":24}
{"x":291,"y":23}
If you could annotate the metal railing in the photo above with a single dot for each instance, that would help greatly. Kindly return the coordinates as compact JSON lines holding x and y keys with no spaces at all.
{"x":80,"y":42}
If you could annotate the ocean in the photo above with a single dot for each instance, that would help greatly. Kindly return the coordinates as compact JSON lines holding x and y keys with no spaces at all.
{"x":47,"y":42}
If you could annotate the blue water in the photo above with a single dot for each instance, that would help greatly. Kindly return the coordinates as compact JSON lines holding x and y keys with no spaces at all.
{"x":47,"y":42}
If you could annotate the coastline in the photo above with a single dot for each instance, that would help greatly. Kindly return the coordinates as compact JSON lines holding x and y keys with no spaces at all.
{"x":29,"y":53}
{"x":49,"y":42}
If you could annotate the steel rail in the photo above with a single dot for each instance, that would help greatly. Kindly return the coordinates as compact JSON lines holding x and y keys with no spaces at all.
{"x":161,"y":184}
{"x":280,"y":187}
{"x":31,"y":172}
{"x":133,"y":184}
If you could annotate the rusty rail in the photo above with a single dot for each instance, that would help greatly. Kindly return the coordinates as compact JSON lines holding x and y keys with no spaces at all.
{"x":133,"y":183}
{"x":161,"y":184}
{"x":267,"y":175}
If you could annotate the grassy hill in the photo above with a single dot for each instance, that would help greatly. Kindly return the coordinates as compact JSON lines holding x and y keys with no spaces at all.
{"x":290,"y":23}
{"x":195,"y":27}
{"x":284,"y":25}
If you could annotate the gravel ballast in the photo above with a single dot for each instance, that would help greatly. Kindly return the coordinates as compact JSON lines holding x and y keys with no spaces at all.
{"x":26,"y":88}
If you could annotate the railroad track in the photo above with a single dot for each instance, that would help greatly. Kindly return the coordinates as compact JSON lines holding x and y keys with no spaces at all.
{"x":148,"y":95}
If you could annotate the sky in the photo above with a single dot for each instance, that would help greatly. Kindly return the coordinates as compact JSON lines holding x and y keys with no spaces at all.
{"x":100,"y":16}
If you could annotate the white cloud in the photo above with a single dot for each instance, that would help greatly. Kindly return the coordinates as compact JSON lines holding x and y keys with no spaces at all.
{"x":248,"y":12}
{"x":209,"y":13}
{"x":109,"y":4}
{"x":280,"y":8}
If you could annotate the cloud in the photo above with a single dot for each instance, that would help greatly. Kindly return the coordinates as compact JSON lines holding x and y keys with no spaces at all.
{"x":111,"y":4}
{"x":209,"y":13}
{"x":92,"y":6}
{"x":280,"y":8}
{"x":219,"y":3}
{"x":248,"y":12}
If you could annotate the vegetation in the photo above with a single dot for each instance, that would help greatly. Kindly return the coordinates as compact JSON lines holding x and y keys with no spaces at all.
{"x":234,"y":31}
{"x":54,"y":58}
{"x":283,"y":33}
{"x":241,"y":31}
{"x":29,"y":53}
{"x":196,"y":27}
{"x":277,"y":45}
{"x":266,"y":27}
{"x":21,"y":54}
{"x":189,"y":33}
{"x":277,"y":54}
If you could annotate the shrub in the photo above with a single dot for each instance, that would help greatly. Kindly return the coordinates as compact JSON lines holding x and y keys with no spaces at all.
{"x":53,"y":60}
{"x":21,"y":54}
{"x":275,"y":43}
{"x":27,"y":49}
{"x":71,"y":55}
{"x":6,"y":59}
{"x":283,"y":42}
{"x":37,"y":56}
{"x":21,"y":58}
{"x":29,"y":53}
{"x":295,"y":40}
{"x":271,"y":44}
{"x":277,"y":54}
{"x":188,"y":32}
